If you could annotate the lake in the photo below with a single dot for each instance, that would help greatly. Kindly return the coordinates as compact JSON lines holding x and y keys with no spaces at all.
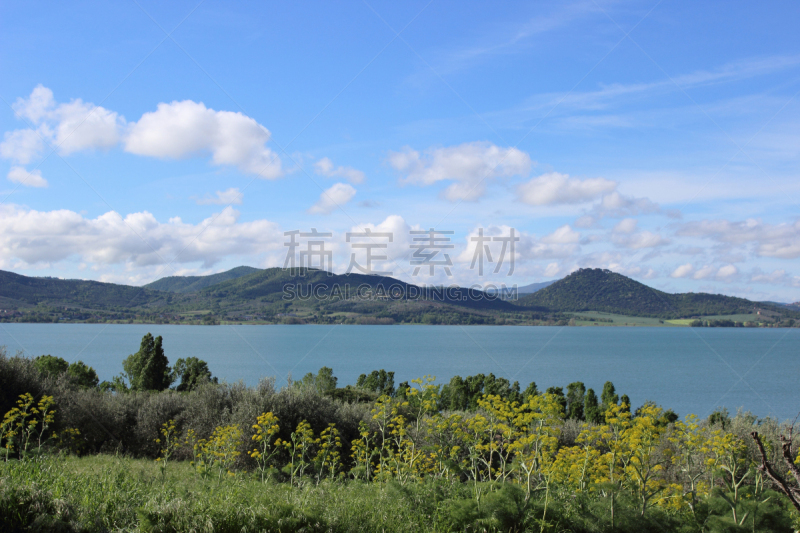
{"x":690,"y":370}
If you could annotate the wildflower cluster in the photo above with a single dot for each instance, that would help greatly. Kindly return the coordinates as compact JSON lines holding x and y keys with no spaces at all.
{"x":266,"y":429}
{"x":27,"y":424}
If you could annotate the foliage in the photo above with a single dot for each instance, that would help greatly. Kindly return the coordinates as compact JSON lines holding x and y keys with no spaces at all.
{"x":148,"y":369}
{"x":191,"y":373}
{"x":511,"y":463}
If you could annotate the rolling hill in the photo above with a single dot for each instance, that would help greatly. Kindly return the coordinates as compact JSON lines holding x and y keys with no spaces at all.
{"x":246,"y":294}
{"x":597,"y":289}
{"x":72,"y":292}
{"x":186,"y":284}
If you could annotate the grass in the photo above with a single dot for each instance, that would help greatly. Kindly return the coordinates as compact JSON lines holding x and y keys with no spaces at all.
{"x":108,"y":493}
{"x":620,"y":320}
{"x":736,"y":318}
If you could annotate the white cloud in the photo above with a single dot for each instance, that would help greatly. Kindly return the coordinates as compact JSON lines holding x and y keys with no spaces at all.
{"x":563,"y":235}
{"x":84,"y":126}
{"x":561,"y":243}
{"x":137,"y":240}
{"x":727,"y":272}
{"x":335,"y":197}
{"x":21,"y":146}
{"x":683,"y":271}
{"x":723,"y":273}
{"x":552,"y":270}
{"x":175,"y":130}
{"x":626,"y":226}
{"x":38,"y":106}
{"x":69,"y":127}
{"x":230,"y":197}
{"x":776,"y":277}
{"x":617,"y":205}
{"x":397,"y":247}
{"x":182,"y":129}
{"x":705,"y":272}
{"x":642,"y":239}
{"x":470,"y":166}
{"x":769,"y":240}
{"x":29,"y":179}
{"x":555,"y":189}
{"x":325,"y":167}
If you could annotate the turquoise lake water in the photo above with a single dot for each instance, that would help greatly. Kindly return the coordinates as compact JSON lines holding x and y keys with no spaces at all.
{"x":691,"y":370}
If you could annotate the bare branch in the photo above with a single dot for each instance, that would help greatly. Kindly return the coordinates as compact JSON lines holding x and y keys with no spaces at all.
{"x":765,"y":467}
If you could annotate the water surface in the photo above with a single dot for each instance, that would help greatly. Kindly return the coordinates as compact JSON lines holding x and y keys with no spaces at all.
{"x":691,"y":370}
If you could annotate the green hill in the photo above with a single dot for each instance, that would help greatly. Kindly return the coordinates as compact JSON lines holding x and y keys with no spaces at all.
{"x":312,"y":285}
{"x":186,"y":284}
{"x":316,"y":296}
{"x":72,"y":292}
{"x":602,"y":290}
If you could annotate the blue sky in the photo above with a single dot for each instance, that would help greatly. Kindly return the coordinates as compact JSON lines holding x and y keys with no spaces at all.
{"x":658,"y":139}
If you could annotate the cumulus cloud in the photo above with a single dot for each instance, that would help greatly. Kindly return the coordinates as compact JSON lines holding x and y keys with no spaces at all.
{"x":561,"y":243}
{"x":29,"y":179}
{"x":723,"y":273}
{"x":469,"y":166}
{"x":705,"y":272}
{"x":173,"y":131}
{"x":639,"y":240}
{"x":181,"y":129}
{"x":336,"y":196}
{"x":727,"y":272}
{"x":21,"y":146}
{"x":394,"y":233}
{"x":767,"y":240}
{"x":626,"y":226}
{"x":616,"y":205}
{"x":136,"y":240}
{"x":563,"y":235}
{"x":69,"y":127}
{"x":683,"y":271}
{"x":555,"y":189}
{"x":325,"y":167}
{"x":776,"y":277}
{"x":230,"y":197}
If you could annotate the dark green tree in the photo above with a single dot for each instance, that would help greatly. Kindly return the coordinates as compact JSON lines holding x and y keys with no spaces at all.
{"x":530,"y":390}
{"x":148,"y":369}
{"x":591,"y":408}
{"x":324,"y":381}
{"x":575,"y":398}
{"x":50,"y":365}
{"x":720,"y":417}
{"x":191,"y":372}
{"x":379,"y":381}
{"x":626,"y":401}
{"x":83,"y":375}
{"x":558,"y":392}
{"x":609,"y":396}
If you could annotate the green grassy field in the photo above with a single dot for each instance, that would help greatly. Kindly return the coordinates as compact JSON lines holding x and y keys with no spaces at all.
{"x":620,"y":320}
{"x":108,"y":493}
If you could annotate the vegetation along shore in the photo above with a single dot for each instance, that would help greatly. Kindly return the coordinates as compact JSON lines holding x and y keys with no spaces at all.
{"x":167,"y":448}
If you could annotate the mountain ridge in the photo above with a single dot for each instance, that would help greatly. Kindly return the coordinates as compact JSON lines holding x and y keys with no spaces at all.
{"x":311,"y":295}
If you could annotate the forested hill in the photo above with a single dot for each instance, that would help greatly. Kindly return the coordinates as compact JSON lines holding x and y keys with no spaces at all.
{"x":248,"y":294}
{"x":595,"y":289}
{"x":185,"y":284}
{"x":271,"y":285}
{"x":74,"y":292}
